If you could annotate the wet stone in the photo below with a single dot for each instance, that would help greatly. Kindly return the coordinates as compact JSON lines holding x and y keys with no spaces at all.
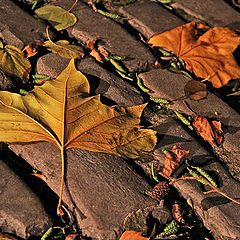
{"x":92,"y":26}
{"x":21,"y":211}
{"x":149,"y":17}
{"x":103,"y":189}
{"x":172,"y":87}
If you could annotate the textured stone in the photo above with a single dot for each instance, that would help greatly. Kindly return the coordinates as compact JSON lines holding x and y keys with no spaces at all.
{"x":215,"y":13}
{"x":168,"y":85}
{"x":18,"y":27}
{"x":101,"y":81}
{"x":116,"y":39}
{"x":149,"y":17}
{"x":21,"y":211}
{"x":103,"y":188}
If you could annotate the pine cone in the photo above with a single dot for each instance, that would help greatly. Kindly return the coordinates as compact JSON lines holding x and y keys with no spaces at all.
{"x":160,"y":191}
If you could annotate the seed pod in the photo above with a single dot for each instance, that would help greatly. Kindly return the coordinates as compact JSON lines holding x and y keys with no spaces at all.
{"x":160,"y":191}
{"x":171,"y":228}
{"x":177,"y":213}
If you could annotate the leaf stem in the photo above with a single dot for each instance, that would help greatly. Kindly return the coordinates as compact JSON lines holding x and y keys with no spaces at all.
{"x":60,"y":211}
{"x":214,"y":189}
{"x":76,"y":1}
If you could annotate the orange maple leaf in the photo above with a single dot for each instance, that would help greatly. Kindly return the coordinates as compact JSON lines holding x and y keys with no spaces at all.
{"x":208,"y":56}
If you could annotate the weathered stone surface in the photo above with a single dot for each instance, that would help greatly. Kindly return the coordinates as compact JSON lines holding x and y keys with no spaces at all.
{"x":21,"y":211}
{"x":149,"y":17}
{"x":168,"y":85}
{"x":92,"y":25}
{"x":18,"y":27}
{"x":102,"y":81}
{"x":218,"y":214}
{"x":216,"y":13}
{"x":103,"y":188}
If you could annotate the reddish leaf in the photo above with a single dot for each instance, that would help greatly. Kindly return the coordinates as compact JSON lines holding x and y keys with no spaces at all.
{"x":173,"y":159}
{"x":210,"y":131}
{"x":208,"y":56}
{"x":133,"y":235}
{"x":96,"y":55}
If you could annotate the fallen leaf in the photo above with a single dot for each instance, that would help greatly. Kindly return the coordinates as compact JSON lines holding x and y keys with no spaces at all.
{"x":62,"y":112}
{"x":64,"y":49}
{"x":13,"y":61}
{"x":173,"y":160}
{"x":177,"y":213}
{"x":209,"y":55}
{"x":40,"y":176}
{"x":210,"y":131}
{"x":195,"y":90}
{"x":103,"y":51}
{"x":73,"y":236}
{"x":57,"y":16}
{"x":133,"y":235}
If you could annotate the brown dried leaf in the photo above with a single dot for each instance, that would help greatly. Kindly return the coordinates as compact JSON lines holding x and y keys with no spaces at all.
{"x":40,"y":175}
{"x":195,"y":90}
{"x":173,"y":160}
{"x":94,"y":53}
{"x":210,"y":131}
{"x":133,"y":235}
{"x":30,"y":50}
{"x":177,"y":213}
{"x":209,"y":55}
{"x":103,"y":51}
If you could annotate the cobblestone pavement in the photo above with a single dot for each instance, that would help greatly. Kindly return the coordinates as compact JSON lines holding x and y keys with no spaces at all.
{"x":105,"y":189}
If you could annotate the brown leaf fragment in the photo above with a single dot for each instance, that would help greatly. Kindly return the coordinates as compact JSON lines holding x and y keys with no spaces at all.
{"x":217,"y":130}
{"x":30,"y":50}
{"x":90,"y":44}
{"x":94,"y":53}
{"x":133,"y":235}
{"x":195,"y":90}
{"x":208,"y":55}
{"x":73,"y":236}
{"x":173,"y":160}
{"x":210,"y":131}
{"x":177,"y":213}
{"x":6,"y":236}
{"x":103,"y":51}
{"x":40,"y":175}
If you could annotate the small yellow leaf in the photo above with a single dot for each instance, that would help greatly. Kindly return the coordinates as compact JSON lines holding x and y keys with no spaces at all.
{"x":64,"y":49}
{"x":13,"y":61}
{"x":57,"y":16}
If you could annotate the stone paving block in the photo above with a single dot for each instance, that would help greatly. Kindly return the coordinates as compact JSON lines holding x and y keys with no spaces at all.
{"x":215,"y":13}
{"x":17,"y":27}
{"x":104,"y":188}
{"x":149,"y":17}
{"x":218,"y":214}
{"x":168,"y":85}
{"x":117,"y":40}
{"x":21,"y":211}
{"x":102,"y":81}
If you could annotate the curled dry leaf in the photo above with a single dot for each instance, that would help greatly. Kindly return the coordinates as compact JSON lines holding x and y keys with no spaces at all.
{"x":173,"y":160}
{"x":208,"y":56}
{"x":13,"y":61}
{"x":57,"y":16}
{"x":210,"y":131}
{"x":62,"y":112}
{"x":64,"y":49}
{"x":133,"y":235}
{"x":195,"y":90}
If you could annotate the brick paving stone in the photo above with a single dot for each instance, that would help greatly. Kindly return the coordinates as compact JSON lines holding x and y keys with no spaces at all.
{"x":104,"y":188}
{"x":102,"y":81}
{"x":218,"y":214}
{"x":116,"y":39}
{"x":149,"y":17}
{"x":21,"y":211}
{"x":168,"y":85}
{"x":215,"y":13}
{"x":18,"y":27}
